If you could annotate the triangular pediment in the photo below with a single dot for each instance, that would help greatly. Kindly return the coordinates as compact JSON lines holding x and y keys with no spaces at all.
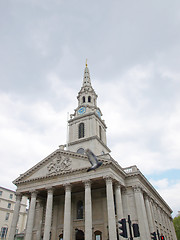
{"x":62,"y":162}
{"x":59,"y":162}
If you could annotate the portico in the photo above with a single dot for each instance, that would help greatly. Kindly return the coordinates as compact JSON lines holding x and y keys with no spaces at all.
{"x":89,"y":190}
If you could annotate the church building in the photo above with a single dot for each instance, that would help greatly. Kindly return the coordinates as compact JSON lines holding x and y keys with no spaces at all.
{"x":69,"y":203}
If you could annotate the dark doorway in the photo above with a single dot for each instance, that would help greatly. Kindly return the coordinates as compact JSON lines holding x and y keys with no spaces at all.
{"x":79,"y":235}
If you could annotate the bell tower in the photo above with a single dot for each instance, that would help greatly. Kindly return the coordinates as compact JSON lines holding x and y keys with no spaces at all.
{"x":86,"y":127}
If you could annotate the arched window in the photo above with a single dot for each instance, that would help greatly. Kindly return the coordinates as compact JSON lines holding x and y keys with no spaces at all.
{"x":61,"y":237}
{"x":98,"y":235}
{"x":80,"y":151}
{"x":83,"y":99}
{"x":81,"y":130}
{"x":79,"y":210}
{"x":89,"y":99}
{"x":79,"y":234}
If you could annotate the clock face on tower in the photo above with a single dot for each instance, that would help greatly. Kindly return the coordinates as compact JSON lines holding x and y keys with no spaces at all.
{"x":81,"y":110}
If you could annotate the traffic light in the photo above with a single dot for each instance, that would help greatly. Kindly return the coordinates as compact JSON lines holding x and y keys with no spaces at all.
{"x":136,"y":230}
{"x":123,"y":227}
{"x":154,"y":236}
{"x":162,"y":237}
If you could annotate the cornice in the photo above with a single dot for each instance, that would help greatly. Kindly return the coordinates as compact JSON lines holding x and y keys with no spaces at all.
{"x":147,"y":184}
{"x":88,"y":139}
{"x":88,"y":115}
{"x":80,"y":170}
{"x":70,"y":172}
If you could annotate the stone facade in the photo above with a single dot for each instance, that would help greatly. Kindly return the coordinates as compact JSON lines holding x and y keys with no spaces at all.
{"x":69,"y":203}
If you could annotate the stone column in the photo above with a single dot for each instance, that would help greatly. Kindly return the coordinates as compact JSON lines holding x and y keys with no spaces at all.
{"x":160,"y":219}
{"x":49,"y":206}
{"x":153,"y":204}
{"x":30,"y":220}
{"x":110,"y":210}
{"x":167,"y":223}
{"x":141,"y":212}
{"x":88,"y":211}
{"x":40,"y":207}
{"x":166,"y":216}
{"x":149,"y":214}
{"x":119,"y":208}
{"x":15,"y":216}
{"x":67,"y":213}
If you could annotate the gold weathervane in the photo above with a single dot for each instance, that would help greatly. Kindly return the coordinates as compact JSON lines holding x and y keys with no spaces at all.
{"x":86,"y":62}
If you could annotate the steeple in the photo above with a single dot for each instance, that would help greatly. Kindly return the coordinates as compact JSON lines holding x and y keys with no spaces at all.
{"x":86,"y":79}
{"x":87,"y":95}
{"x":86,"y":128}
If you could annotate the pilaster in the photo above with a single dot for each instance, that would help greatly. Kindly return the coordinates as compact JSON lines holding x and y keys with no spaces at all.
{"x":141,"y":212}
{"x":149,"y":214}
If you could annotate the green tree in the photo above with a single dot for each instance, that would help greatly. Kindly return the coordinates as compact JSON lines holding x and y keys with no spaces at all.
{"x":176,"y":222}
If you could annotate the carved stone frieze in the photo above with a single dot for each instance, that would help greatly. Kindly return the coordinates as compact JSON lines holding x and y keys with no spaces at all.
{"x":60,"y":164}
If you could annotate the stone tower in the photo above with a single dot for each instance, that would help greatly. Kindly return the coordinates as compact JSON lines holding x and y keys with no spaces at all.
{"x":86,"y":128}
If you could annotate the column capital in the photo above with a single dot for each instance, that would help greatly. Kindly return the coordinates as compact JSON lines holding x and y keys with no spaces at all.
{"x":87,"y":183}
{"x":50,"y":190}
{"x":67,"y":187}
{"x":124,"y":190}
{"x":108,"y":179}
{"x":118,"y":185}
{"x":33,"y":193}
{"x":146,"y":196}
{"x":18,"y":196}
{"x":137,"y":189}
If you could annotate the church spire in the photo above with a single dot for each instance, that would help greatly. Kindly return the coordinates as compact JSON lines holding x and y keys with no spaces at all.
{"x":86,"y":79}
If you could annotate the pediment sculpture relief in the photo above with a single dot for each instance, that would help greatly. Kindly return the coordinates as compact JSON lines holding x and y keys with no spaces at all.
{"x":60,"y":164}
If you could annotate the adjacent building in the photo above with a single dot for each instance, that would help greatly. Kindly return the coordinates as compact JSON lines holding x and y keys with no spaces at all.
{"x":69,"y":203}
{"x":7,"y":204}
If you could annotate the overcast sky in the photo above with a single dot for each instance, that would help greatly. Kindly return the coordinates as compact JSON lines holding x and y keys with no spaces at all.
{"x":133,"y":52}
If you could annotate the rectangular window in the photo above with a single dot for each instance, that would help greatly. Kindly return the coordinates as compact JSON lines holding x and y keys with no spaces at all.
{"x":11,"y":196}
{"x":3,"y":232}
{"x":115,"y":205}
{"x":1,"y":193}
{"x":9,"y":205}
{"x":7,"y":216}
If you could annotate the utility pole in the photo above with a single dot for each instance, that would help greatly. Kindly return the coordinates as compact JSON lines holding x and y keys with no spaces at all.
{"x":130,"y":229}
